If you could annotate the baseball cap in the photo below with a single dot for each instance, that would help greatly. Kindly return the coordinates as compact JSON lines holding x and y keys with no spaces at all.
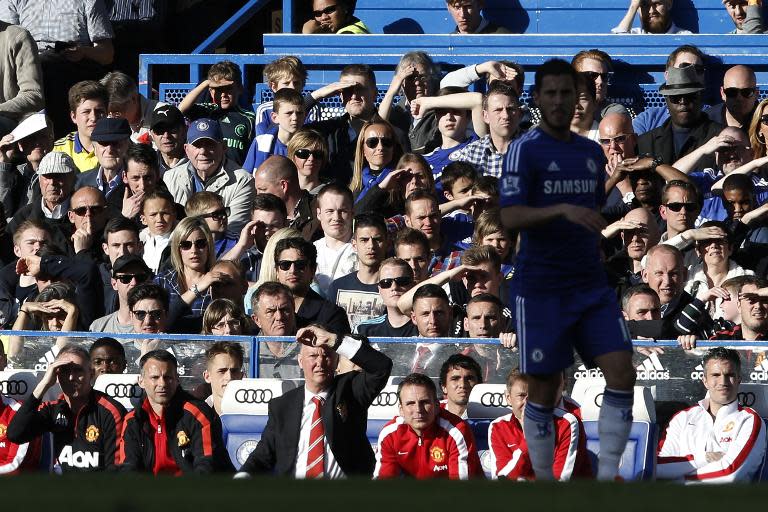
{"x":128,"y":260}
{"x":166,"y":114}
{"x":111,"y":129}
{"x":56,"y":162}
{"x":204,"y":129}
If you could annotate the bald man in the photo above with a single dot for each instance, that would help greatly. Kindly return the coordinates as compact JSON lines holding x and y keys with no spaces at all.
{"x":638,"y":180}
{"x":740,"y":95}
{"x":638,"y":232}
{"x":278,"y":175}
{"x":87,"y":213}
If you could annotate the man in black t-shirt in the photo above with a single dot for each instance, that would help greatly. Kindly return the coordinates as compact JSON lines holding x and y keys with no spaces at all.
{"x":358,"y":292}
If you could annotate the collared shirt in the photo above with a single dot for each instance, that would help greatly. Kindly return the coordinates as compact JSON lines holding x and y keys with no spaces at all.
{"x":73,"y":21}
{"x":84,"y":160}
{"x":331,"y":467}
{"x":107,"y":188}
{"x":135,"y":10}
{"x":154,"y":245}
{"x":483,"y":154}
{"x":58,"y":211}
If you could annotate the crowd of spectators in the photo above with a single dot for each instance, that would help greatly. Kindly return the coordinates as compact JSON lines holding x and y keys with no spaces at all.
{"x":210,"y":219}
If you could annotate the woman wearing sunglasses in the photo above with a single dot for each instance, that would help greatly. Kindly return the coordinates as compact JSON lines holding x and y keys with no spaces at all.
{"x":53,"y":310}
{"x":376,"y":154}
{"x":308,"y":149}
{"x":225,"y":318}
{"x":758,"y":130}
{"x":334,"y":17}
{"x":388,"y":197}
{"x":188,"y":281}
{"x":268,"y":270}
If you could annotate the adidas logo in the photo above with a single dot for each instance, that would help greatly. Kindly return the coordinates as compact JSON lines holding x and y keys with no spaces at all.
{"x":583,"y":373}
{"x":760,"y":372}
{"x":47,"y":358}
{"x":652,"y":369}
{"x":697,"y":373}
{"x":553,"y":167}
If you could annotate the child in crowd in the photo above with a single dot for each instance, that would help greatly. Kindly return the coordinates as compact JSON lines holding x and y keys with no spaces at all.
{"x":288,"y":116}
{"x":88,"y":102}
{"x":210,"y":206}
{"x":225,"y":85}
{"x":158,"y":214}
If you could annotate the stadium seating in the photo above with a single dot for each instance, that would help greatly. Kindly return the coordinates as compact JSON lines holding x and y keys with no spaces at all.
{"x":486,"y":403}
{"x":244,"y":413}
{"x":122,"y":387}
{"x":381,"y":411}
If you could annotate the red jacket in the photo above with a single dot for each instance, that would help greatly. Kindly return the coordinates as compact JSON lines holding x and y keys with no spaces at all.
{"x":15,"y":458}
{"x":445,"y":450}
{"x":509,"y":451}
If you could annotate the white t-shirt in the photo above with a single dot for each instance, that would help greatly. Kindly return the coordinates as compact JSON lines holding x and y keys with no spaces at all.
{"x":333,"y":263}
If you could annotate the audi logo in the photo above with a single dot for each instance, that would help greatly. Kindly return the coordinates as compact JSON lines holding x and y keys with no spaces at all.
{"x":123,"y":390}
{"x":385,"y":398}
{"x":599,"y":399}
{"x":13,"y":387}
{"x":253,"y":396}
{"x":746,"y":398}
{"x":493,"y":399}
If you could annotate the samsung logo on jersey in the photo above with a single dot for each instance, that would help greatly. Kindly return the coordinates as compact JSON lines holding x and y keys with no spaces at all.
{"x":570,"y":186}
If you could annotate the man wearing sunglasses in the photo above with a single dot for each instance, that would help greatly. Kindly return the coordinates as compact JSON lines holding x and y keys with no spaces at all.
{"x":688,"y":127}
{"x":395,"y":278}
{"x":111,"y":138}
{"x":295,"y":259}
{"x":128,"y":272}
{"x":740,"y":95}
{"x":148,"y":304}
{"x":753,"y":308}
{"x":88,"y":215}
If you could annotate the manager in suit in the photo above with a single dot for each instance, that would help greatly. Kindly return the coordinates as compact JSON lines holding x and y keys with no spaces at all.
{"x":319,"y":430}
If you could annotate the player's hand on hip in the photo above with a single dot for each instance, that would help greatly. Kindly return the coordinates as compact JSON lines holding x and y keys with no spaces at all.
{"x":584,"y":217}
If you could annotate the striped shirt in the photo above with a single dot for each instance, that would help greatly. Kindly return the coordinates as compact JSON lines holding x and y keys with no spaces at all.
{"x":135,"y":10}
{"x":72,"y":21}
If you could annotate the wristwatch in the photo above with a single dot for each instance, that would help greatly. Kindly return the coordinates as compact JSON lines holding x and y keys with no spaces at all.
{"x":196,"y":291}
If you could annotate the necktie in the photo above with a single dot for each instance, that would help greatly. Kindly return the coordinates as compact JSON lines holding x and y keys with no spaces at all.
{"x":316,"y":452}
{"x":422,"y":358}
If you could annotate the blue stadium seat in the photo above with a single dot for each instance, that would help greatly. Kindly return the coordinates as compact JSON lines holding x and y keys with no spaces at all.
{"x":244,"y":414}
{"x":639,"y":459}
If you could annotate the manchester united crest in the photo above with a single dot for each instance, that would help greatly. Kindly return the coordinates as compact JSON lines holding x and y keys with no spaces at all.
{"x":729,"y":426}
{"x":3,"y":430}
{"x":182,"y":438}
{"x":437,"y":454}
{"x":91,"y":433}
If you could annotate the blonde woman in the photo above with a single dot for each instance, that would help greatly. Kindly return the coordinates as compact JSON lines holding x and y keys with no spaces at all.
{"x":268,"y":271}
{"x":376,"y":153}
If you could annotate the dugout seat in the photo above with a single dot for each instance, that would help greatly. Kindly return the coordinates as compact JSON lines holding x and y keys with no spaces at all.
{"x":643,"y":408}
{"x":244,"y":414}
{"x":123,"y":387}
{"x":382,"y":410}
{"x":19,"y":384}
{"x":486,"y":403}
{"x":756,"y":396}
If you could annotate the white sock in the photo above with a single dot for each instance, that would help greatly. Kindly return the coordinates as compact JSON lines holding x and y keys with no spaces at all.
{"x":538,"y":428}
{"x":613,"y":428}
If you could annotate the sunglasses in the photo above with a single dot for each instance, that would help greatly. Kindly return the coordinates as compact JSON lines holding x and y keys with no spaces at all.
{"x":683,"y":98}
{"x":285,"y":265}
{"x":732,"y":92}
{"x":200,"y":243}
{"x":676,"y":207}
{"x":619,"y":139}
{"x":327,"y":11}
{"x":592,"y":75}
{"x":764,"y":119}
{"x":127,"y":278}
{"x":373,"y":142}
{"x":219,"y":215}
{"x":155,"y":314}
{"x":700,"y":68}
{"x":399,"y":281}
{"x":305,"y":153}
{"x":81,"y":211}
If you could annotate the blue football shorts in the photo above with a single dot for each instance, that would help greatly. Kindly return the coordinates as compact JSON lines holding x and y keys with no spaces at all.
{"x":550,"y":327}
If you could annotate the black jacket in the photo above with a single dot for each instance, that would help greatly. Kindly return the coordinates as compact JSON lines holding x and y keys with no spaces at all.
{"x":660,"y":142}
{"x":193,"y":432}
{"x":87,"y":441}
{"x":344,"y":415}
{"x":315,"y":309}
{"x":61,"y":228}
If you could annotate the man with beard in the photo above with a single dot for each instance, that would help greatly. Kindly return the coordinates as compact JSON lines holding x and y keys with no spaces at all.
{"x":655,"y":18}
{"x":753,"y":306}
{"x":687,"y":127}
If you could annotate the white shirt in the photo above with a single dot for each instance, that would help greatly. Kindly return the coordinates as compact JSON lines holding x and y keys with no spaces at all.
{"x":333,"y":263}
{"x":153,"y":247}
{"x":737,"y":432}
{"x":673,"y":29}
{"x":58,"y":211}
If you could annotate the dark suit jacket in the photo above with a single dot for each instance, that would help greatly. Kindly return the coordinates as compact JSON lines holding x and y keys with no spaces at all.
{"x":660,"y":142}
{"x":345,"y":417}
{"x":315,"y":309}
